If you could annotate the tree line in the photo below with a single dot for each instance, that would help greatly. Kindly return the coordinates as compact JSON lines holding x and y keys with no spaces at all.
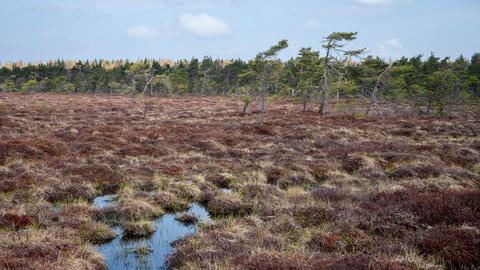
{"x":428,"y":84}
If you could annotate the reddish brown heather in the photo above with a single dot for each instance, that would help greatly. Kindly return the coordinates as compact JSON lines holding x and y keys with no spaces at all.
{"x":307,"y":192}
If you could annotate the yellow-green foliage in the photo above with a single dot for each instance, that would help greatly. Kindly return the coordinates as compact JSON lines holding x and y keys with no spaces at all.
{"x":3,"y":108}
{"x":476,"y":168}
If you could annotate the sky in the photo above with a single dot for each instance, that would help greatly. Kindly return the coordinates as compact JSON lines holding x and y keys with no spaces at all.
{"x":41,"y":30}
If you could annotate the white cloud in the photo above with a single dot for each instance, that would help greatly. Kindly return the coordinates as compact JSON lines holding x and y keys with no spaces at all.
{"x":374,"y":2}
{"x":390,"y":48}
{"x":142,"y":31}
{"x":312,"y":24}
{"x":203,"y":25}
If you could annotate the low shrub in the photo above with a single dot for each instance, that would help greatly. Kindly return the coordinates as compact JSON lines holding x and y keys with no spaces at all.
{"x":459,"y":248}
{"x":416,"y":171}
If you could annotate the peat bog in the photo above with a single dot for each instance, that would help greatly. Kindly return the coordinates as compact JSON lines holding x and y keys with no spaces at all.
{"x":302,"y":192}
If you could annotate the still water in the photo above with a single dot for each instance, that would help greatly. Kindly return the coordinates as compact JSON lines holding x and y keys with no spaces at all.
{"x":151,"y":252}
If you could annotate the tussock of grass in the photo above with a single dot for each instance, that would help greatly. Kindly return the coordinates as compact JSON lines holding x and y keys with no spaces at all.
{"x":138,"y":229}
{"x":223,"y":204}
{"x":187,"y":190}
{"x":53,"y":248}
{"x":96,"y":233}
{"x":137,"y":209}
{"x":70,"y":192}
{"x":186,"y":218}
{"x":170,"y":202}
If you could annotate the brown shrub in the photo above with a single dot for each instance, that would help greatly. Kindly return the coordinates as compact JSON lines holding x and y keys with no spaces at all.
{"x":389,"y":221}
{"x":272,"y":260}
{"x":16,"y":179}
{"x":311,"y":215}
{"x":451,"y":153}
{"x":146,"y":149}
{"x":172,"y":170}
{"x":458,"y":248}
{"x":297,"y":180}
{"x":329,"y":194}
{"x":406,"y":132}
{"x":85,"y":148}
{"x":15,"y":220}
{"x":353,"y":163}
{"x":73,"y":191}
{"x":416,"y":171}
{"x":358,"y":262}
{"x":447,"y":207}
{"x":325,"y":242}
{"x":274,"y":175}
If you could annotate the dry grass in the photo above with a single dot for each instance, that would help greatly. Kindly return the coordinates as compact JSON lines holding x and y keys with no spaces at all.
{"x":96,"y":233}
{"x":138,"y":229}
{"x":308,"y":192}
{"x":186,"y":218}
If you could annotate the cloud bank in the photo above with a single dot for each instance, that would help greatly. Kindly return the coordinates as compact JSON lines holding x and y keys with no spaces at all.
{"x":203,"y":25}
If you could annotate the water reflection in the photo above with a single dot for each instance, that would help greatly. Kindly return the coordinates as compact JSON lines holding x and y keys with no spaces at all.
{"x":152,"y":252}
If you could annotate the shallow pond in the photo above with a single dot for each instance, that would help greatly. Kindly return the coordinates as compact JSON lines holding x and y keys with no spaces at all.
{"x":152,"y":252}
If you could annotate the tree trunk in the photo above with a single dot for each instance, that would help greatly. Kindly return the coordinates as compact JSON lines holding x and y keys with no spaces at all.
{"x":262,"y":110}
{"x":245,"y":108}
{"x":323,"y":96}
{"x":145,"y":117}
{"x":429,"y":107}
{"x":304,"y":105}
{"x":373,"y":98}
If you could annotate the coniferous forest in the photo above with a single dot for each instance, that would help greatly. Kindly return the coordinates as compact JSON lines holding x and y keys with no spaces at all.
{"x":422,"y":81}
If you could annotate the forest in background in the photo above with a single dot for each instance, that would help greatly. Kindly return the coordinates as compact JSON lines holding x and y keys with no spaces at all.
{"x":430,"y":83}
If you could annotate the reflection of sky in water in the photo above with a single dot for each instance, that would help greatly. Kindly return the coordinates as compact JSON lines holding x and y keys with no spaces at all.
{"x":104,"y":201}
{"x":120,"y":253}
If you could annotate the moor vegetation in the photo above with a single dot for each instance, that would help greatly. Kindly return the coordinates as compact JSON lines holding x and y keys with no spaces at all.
{"x":308,"y":191}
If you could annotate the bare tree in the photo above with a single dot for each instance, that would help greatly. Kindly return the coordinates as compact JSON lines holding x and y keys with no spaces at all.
{"x":373,"y":104}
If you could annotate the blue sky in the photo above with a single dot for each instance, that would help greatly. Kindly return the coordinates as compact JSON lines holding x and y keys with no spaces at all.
{"x":39,"y":30}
